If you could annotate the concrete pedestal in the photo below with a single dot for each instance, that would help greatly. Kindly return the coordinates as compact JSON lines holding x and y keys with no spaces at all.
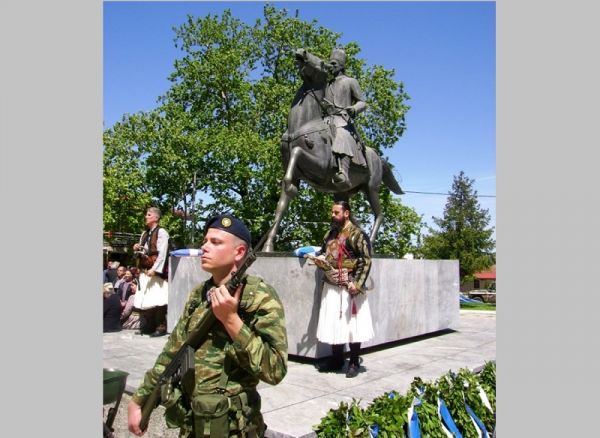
{"x":409,"y":298}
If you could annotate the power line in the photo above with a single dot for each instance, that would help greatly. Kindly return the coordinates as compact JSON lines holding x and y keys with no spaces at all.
{"x":445,"y":194}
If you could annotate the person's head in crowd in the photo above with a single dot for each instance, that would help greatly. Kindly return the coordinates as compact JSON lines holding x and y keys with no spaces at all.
{"x":152,"y":217}
{"x":121,"y":271}
{"x":134,"y":286}
{"x":128,"y":276}
{"x":107,"y":290}
{"x":135,"y":272}
{"x":114,"y":265}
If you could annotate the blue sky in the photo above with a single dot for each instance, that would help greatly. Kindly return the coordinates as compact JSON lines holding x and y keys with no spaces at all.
{"x":444,"y":52}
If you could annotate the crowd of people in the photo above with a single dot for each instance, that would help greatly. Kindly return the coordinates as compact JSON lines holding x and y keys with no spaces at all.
{"x":119,"y":288}
{"x":140,"y":295}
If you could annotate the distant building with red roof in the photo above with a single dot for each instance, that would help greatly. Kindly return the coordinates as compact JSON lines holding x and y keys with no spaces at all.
{"x":487,"y":275}
{"x":483,"y":280}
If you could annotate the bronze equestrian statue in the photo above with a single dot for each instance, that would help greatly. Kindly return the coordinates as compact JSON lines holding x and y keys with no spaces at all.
{"x":309,"y":147}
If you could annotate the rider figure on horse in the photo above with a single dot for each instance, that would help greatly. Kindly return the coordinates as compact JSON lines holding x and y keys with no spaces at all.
{"x":344,"y":100}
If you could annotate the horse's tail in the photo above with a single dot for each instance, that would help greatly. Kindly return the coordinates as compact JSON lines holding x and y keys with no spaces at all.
{"x":389,"y":179}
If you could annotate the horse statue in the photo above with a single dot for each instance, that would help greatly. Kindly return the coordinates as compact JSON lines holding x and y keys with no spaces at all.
{"x":306,"y":151}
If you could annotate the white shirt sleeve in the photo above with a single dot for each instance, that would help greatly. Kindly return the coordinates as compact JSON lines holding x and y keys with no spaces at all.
{"x":162,"y":246}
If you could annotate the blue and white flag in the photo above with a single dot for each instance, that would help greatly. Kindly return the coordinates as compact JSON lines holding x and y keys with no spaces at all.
{"x":187,"y":252}
{"x":481,"y":431}
{"x":300,"y":252}
{"x":414,"y":428}
{"x":447,"y":419}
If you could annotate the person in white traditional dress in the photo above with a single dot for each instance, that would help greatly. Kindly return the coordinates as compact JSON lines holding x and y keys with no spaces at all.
{"x":344,"y":315}
{"x":153,"y":294}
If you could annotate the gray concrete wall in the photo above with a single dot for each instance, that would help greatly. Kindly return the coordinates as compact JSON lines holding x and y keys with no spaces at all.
{"x":409,"y":298}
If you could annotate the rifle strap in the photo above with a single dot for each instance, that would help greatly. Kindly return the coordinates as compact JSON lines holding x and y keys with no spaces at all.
{"x":250,"y":286}
{"x":197,"y":297}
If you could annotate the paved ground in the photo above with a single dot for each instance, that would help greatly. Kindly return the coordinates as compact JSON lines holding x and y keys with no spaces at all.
{"x":305,"y":395}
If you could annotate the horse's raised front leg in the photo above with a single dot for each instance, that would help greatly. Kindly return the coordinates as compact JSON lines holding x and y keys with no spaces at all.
{"x":289,"y":190}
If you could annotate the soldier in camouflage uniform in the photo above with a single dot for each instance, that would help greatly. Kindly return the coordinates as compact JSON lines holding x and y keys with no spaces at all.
{"x":344,"y":315}
{"x":248,"y":343}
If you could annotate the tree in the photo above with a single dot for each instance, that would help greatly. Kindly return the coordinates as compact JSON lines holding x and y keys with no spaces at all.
{"x":221,"y":121}
{"x":401,"y":229}
{"x":126,"y":194}
{"x":464,"y":231}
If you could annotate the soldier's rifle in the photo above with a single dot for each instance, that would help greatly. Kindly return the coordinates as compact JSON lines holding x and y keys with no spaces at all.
{"x":181,"y":368}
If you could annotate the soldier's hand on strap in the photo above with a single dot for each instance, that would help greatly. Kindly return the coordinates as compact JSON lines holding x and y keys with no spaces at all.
{"x":225,"y":306}
{"x":351,"y":111}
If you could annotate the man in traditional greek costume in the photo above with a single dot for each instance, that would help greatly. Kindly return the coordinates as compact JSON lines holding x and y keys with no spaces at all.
{"x":344,"y":316}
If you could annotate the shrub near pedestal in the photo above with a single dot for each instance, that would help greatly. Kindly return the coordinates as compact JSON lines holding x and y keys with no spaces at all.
{"x":388,"y":415}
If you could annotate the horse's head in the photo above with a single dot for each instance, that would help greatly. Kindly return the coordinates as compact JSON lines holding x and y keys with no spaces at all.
{"x":311,"y":67}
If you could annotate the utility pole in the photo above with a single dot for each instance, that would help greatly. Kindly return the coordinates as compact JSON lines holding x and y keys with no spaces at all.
{"x":192,"y":212}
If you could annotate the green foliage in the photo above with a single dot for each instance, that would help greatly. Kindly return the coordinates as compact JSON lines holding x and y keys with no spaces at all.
{"x":431,"y":423}
{"x":386,"y":102}
{"x":126,"y":194}
{"x":472,"y":396}
{"x":346,"y":421}
{"x":220,"y":123}
{"x":487,"y":378}
{"x":464,"y":231}
{"x":389,"y":412}
{"x":451,"y":391}
{"x":478,"y":306}
{"x":401,"y":228}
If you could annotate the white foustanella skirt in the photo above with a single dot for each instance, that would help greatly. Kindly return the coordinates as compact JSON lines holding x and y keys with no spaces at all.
{"x":153,"y":292}
{"x":333,"y":329}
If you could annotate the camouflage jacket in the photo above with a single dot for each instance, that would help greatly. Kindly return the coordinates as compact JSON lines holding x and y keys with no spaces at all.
{"x":259,"y":352}
{"x":356,"y":253}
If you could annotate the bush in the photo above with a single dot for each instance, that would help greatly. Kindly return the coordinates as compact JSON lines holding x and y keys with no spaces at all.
{"x":387,"y":415}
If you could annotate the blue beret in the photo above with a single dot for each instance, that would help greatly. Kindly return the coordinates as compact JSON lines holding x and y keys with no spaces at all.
{"x":231,"y":224}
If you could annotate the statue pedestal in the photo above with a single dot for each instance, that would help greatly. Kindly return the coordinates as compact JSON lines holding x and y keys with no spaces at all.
{"x":409,"y":298}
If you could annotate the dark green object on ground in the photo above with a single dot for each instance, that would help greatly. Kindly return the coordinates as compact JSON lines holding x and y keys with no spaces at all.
{"x":114,"y":384}
{"x":113,"y":387}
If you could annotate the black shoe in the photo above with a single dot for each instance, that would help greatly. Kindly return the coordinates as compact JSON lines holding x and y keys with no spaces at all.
{"x":143,"y":333}
{"x":330,"y":366}
{"x":158,"y":333}
{"x":352,"y":371}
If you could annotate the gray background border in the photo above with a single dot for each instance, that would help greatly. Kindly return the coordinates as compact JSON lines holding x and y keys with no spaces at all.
{"x":51,"y":202}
